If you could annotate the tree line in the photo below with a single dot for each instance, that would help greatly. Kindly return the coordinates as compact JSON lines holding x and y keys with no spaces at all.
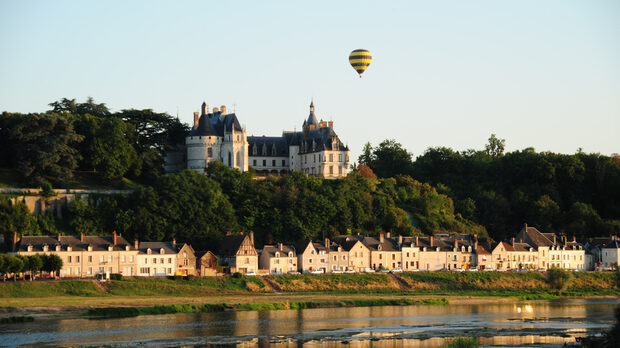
{"x":31,"y":264}
{"x":71,"y":136}
{"x":569,"y":194}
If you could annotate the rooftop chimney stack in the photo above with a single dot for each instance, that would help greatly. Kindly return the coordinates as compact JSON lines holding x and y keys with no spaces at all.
{"x":252,"y":237}
{"x":59,"y":235}
{"x":416,"y":241}
{"x":136,"y":244}
{"x":431,"y":240}
{"x":280,"y":246}
{"x":114,"y":237}
{"x":513,"y":241}
{"x":327,"y":243}
{"x":14,"y":241}
{"x":475,"y":242}
{"x":223,"y":109}
{"x":456,"y":244}
{"x":381,"y":237}
{"x":196,"y":118}
{"x":387,"y":234}
{"x":81,"y":236}
{"x":400,"y":240}
{"x":330,"y":124}
{"x":574,"y":239}
{"x":555,"y":239}
{"x":174,"y":242}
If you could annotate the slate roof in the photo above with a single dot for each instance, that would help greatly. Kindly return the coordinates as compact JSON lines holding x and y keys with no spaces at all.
{"x":282,"y":147}
{"x":346,"y":242}
{"x":482,"y":250}
{"x":537,"y":238}
{"x":98,"y":243}
{"x":169,"y":248}
{"x":272,"y":249}
{"x":215,"y":124}
{"x":521,"y":246}
{"x":506,"y":245}
{"x":231,"y":244}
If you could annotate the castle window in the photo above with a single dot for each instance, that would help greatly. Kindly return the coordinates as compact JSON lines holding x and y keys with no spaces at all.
{"x":254,"y":150}
{"x":283,"y":163}
{"x":331,"y":169}
{"x":264,"y":149}
{"x":314,"y":158}
{"x":238,"y":158}
{"x":254,"y":163}
{"x":273,"y":150}
{"x":340,"y":158}
{"x":264,"y":163}
{"x":238,"y":138}
{"x":273,"y":163}
{"x":331,"y":157}
{"x":210,"y":152}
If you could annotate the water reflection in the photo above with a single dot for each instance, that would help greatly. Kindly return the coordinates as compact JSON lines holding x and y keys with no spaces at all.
{"x":500,"y":324}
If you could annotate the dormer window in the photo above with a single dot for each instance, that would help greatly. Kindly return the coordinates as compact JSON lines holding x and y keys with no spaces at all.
{"x":273,"y":150}
{"x":148,"y":251}
{"x":264,"y":149}
{"x":90,"y":248}
{"x":277,"y":254}
{"x":110,"y":248}
{"x":29,"y":247}
{"x":290,"y":254}
{"x":379,"y":247}
{"x":254,"y":152}
{"x":126,"y":247}
{"x":46,"y":248}
{"x":69,"y":248}
{"x":57,"y":247}
{"x":424,"y":249}
{"x":161,"y":251}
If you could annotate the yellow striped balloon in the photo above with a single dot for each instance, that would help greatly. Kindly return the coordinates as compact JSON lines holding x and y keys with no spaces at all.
{"x":360,"y":60}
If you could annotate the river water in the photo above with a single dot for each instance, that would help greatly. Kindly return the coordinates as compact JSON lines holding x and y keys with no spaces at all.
{"x":528,"y":323}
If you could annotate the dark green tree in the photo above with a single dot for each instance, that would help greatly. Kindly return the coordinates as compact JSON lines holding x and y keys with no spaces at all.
{"x":52,"y":264}
{"x":390,"y":159}
{"x":495,"y":147}
{"x":34,"y":264}
{"x":45,"y":148}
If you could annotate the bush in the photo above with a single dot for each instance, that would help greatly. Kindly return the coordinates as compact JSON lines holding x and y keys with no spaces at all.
{"x":559,"y":279}
{"x":238,"y":275}
{"x":190,"y":277}
{"x":47,"y":190}
{"x":116,"y":276}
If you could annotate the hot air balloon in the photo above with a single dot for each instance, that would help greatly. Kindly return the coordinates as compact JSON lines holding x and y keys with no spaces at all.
{"x":360,"y":60}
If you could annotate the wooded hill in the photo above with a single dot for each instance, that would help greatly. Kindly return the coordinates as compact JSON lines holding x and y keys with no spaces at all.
{"x":442,"y":190}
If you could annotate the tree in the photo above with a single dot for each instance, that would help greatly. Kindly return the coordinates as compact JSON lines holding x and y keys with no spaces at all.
{"x":367,"y":157}
{"x":4,"y":266}
{"x":113,"y":154}
{"x":390,"y":159}
{"x":89,"y":107}
{"x":82,"y":217}
{"x":495,"y":147}
{"x":15,"y":217}
{"x":52,"y":264}
{"x":366,"y":172}
{"x":559,"y":278}
{"x":34,"y":264}
{"x":45,"y":147}
{"x":15,"y":265}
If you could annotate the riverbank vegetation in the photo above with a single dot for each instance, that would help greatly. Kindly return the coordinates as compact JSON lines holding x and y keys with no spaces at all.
{"x":497,"y":284}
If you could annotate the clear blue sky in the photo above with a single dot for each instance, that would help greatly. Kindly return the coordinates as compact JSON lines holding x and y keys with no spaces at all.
{"x":544,"y":74}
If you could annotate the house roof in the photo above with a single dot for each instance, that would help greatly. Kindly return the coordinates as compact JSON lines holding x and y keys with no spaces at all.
{"x":521,"y":246}
{"x":268,"y":144}
{"x":216,"y":124}
{"x":168,"y":247}
{"x":539,"y":239}
{"x":231,"y":244}
{"x":98,"y":243}
{"x":272,"y":249}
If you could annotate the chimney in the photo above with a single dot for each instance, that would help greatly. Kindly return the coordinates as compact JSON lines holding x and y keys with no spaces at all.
{"x":387,"y":235}
{"x":513,"y":241}
{"x":381,"y":237}
{"x":174,"y":241}
{"x":228,"y":233}
{"x":196,"y":118}
{"x":431,"y":240}
{"x":475,"y":242}
{"x":327,"y":243}
{"x":555,"y":239}
{"x":205,"y":109}
{"x":400,"y":239}
{"x":416,"y":241}
{"x":114,"y":237}
{"x":330,"y":124}
{"x":456,"y":244}
{"x":136,"y":244}
{"x":574,"y":239}
{"x":252,"y":237}
{"x":216,"y":110}
{"x":241,"y":233}
{"x":223,"y":109}
{"x":525,"y":226}
{"x":81,"y":236}
{"x":280,"y":246}
{"x":59,"y":235}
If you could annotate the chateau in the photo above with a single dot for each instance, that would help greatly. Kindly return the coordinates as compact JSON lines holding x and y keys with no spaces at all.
{"x":218,"y":136}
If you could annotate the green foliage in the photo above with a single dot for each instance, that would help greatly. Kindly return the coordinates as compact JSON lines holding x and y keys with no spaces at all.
{"x":387,"y":160}
{"x":52,"y":263}
{"x":495,"y":147}
{"x":462,"y":342}
{"x":46,"y":189}
{"x":116,"y":276}
{"x":45,"y":147}
{"x":15,"y":217}
{"x":559,"y":279}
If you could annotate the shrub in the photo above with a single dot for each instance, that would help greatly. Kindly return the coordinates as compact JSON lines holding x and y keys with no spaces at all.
{"x":559,"y":279}
{"x":116,"y":276}
{"x":462,"y":342}
{"x":238,"y":275}
{"x":190,"y":277}
{"x":46,"y":189}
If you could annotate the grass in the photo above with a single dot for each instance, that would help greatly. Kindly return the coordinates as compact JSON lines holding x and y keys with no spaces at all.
{"x":335,"y":282}
{"x":11,"y":289}
{"x":118,"y":312}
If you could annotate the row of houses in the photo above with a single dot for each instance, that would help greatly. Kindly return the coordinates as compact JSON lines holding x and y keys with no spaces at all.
{"x":530,"y":249}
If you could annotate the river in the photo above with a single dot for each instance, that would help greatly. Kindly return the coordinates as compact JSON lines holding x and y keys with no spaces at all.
{"x":528,"y":323}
